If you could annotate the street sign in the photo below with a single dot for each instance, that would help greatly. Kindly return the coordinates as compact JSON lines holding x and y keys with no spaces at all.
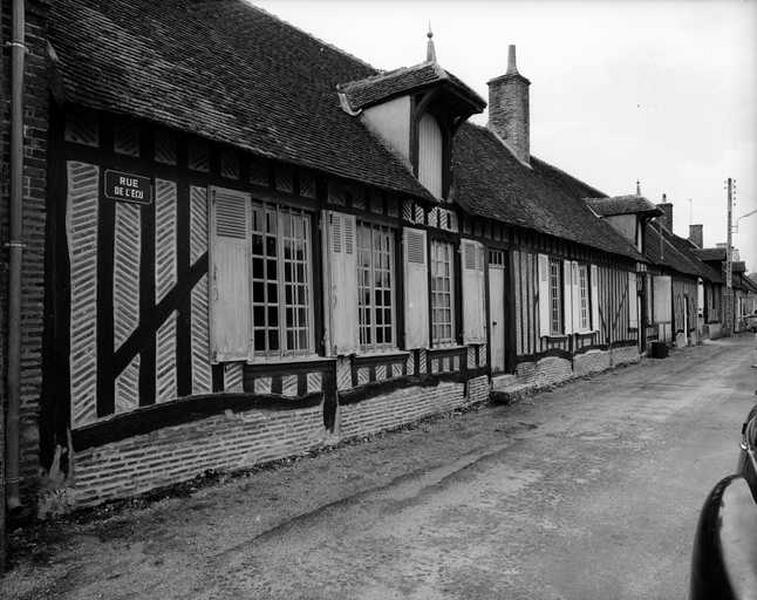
{"x":127,"y":187}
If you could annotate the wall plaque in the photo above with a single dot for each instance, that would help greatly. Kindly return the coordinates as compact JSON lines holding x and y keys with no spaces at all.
{"x":127,"y":187}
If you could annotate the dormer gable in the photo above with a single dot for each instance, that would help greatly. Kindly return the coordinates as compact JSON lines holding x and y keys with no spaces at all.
{"x":415,"y":111}
{"x":626,"y":214}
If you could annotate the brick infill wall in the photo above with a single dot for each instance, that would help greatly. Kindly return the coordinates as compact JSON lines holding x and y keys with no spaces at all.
{"x":228,"y":442}
{"x":407,"y":405}
{"x":238,"y":440}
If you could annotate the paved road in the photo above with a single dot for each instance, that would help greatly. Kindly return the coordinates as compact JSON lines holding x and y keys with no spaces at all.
{"x":588,"y":491}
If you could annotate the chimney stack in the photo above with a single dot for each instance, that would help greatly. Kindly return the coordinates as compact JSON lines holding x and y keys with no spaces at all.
{"x":696,"y":235}
{"x":667,"y":212}
{"x":508,"y":108}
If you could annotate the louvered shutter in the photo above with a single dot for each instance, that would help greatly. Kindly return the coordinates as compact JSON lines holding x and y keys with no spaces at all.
{"x":474,"y":310}
{"x":416,"y":288}
{"x":230,"y":271}
{"x":633,"y":312}
{"x":341,"y":291}
{"x":594,"y":276}
{"x":545,"y":304}
{"x":567,"y":299}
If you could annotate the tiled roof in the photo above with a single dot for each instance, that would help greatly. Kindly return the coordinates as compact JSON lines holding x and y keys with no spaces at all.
{"x":710,"y":254}
{"x":489,"y":181}
{"x":377,"y":88}
{"x":688,"y":249}
{"x":225,"y":70}
{"x":623,"y":205}
{"x":675,"y":253}
{"x":750,"y":283}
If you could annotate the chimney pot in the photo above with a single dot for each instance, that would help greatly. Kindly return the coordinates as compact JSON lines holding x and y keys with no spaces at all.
{"x":667,"y":213}
{"x":509,"y":108}
{"x":512,"y":68}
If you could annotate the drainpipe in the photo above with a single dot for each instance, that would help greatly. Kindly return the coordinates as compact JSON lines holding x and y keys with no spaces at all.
{"x":15,"y":247}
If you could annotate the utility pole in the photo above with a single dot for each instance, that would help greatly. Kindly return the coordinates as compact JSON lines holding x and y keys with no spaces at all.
{"x":729,"y":264}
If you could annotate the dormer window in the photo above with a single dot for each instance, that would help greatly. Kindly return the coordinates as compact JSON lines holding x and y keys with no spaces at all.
{"x":415,"y":111}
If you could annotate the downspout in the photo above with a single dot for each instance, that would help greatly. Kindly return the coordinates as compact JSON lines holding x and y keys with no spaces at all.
{"x":15,"y":247}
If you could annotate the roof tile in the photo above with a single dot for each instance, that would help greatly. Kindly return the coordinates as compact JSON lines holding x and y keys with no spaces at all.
{"x":489,"y":181}
{"x":259,"y":84}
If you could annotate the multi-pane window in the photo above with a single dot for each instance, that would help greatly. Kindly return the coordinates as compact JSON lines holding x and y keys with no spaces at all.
{"x":281,"y":281}
{"x":555,"y":296}
{"x":442,"y":293}
{"x":583,"y":291}
{"x":375,"y":266}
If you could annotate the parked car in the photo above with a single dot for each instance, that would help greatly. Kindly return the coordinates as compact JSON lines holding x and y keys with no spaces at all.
{"x":724,"y":559}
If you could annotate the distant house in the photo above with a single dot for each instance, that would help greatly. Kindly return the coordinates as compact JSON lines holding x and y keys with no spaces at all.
{"x":243,"y":243}
{"x":744,"y":288}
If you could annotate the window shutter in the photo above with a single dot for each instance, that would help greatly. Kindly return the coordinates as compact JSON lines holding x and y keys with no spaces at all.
{"x":594,"y":276}
{"x":576,"y":296}
{"x":474,"y":309}
{"x":230,"y":270}
{"x":341,"y":288}
{"x":662,"y":298}
{"x":545,"y":304}
{"x":633,"y":313}
{"x":567,"y":299}
{"x":416,"y":288}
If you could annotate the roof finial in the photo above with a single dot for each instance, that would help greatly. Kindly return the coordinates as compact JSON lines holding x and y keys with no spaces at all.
{"x":430,"y":50}
{"x":638,"y":188}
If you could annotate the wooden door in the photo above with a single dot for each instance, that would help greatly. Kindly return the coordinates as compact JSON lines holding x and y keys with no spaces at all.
{"x":497,"y":310}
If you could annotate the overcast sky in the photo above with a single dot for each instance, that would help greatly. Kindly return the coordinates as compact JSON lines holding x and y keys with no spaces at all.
{"x":663,"y":92}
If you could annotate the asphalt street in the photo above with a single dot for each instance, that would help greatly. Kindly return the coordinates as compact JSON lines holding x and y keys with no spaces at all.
{"x":591,"y":490}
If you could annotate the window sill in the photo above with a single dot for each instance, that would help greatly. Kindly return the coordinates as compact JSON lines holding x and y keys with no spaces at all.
{"x":295,"y":358}
{"x":389,"y":356}
{"x":447,"y":348}
{"x":388,"y":352}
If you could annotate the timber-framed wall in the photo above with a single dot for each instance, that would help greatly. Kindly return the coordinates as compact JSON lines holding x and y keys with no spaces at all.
{"x":128,"y":337}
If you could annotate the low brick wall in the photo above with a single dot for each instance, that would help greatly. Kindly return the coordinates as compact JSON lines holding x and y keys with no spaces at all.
{"x":552,"y":370}
{"x":238,"y":440}
{"x":546,"y":371}
{"x":407,"y":405}
{"x":590,"y":362}
{"x":625,"y":355}
{"x":173,"y":454}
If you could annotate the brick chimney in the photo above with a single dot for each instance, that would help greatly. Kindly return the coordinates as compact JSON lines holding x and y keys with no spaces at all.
{"x":696,"y":235}
{"x":508,"y":108}
{"x":667,"y":213}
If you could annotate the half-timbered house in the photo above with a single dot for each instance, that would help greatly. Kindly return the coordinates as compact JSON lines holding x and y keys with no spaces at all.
{"x":249,"y":244}
{"x":743,"y":288}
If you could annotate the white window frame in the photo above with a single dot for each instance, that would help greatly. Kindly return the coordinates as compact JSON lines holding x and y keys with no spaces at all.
{"x":371,"y":309}
{"x":281,"y":306}
{"x":437,"y":259}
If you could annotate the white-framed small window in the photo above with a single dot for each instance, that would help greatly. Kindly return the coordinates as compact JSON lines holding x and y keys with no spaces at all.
{"x":282,"y":306}
{"x":376,"y":282}
{"x":442,"y":293}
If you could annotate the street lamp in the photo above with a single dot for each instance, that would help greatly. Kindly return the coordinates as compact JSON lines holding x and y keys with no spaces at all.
{"x":749,"y":214}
